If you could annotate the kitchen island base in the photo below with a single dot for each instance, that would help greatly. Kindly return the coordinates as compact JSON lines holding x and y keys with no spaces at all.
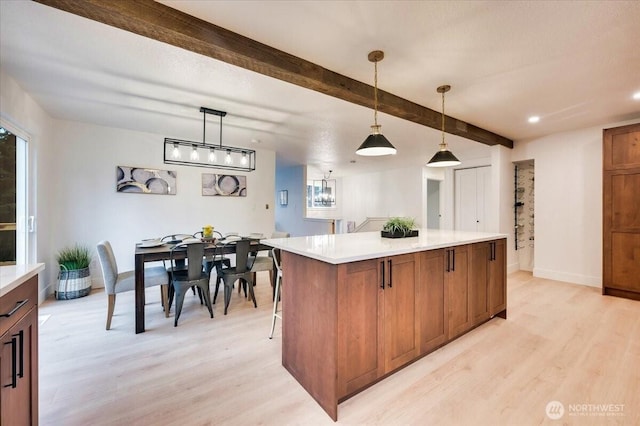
{"x":347,"y":326}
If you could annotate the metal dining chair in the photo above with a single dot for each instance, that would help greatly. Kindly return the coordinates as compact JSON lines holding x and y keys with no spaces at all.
{"x":181,"y":264}
{"x":193,"y":276}
{"x":241,"y":271}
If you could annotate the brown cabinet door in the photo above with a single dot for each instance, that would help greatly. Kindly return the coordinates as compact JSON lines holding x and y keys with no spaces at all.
{"x":481,"y":254}
{"x":359,"y":325}
{"x":432,"y":300}
{"x":498,"y":279}
{"x":457,"y":282}
{"x":621,"y":211}
{"x":400,"y":335}
{"x":18,"y":372}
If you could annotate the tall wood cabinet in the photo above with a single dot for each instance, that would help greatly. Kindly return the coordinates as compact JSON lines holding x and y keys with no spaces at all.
{"x":432,"y":300}
{"x":621,"y":212}
{"x":456,"y":280}
{"x":19,"y":355}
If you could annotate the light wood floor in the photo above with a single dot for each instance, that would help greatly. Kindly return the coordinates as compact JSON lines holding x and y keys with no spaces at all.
{"x":560,"y":342}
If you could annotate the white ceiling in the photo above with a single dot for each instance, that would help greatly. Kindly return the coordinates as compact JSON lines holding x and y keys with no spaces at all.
{"x":575,"y":64}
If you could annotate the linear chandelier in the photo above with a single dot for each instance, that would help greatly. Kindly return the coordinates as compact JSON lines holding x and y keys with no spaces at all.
{"x":202,"y":154}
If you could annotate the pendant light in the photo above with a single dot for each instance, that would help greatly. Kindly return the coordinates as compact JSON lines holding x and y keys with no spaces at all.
{"x":376,"y":144}
{"x":444,"y":157}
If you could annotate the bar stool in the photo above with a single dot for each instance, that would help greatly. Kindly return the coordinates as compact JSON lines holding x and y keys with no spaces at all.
{"x":278,"y":289}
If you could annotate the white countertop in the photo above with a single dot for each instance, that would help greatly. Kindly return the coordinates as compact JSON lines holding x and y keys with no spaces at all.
{"x":344,"y":248}
{"x":14,"y":275}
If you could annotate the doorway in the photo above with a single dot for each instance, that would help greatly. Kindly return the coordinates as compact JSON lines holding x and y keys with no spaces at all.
{"x":13,"y":199}
{"x":523,"y":211}
{"x":433,"y":204}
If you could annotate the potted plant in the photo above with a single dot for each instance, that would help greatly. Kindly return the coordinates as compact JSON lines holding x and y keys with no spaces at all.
{"x":74,"y":279}
{"x":399,"y":227}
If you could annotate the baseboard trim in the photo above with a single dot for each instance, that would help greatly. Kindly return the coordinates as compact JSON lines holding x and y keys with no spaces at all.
{"x":591,"y":281}
{"x":513,"y":267}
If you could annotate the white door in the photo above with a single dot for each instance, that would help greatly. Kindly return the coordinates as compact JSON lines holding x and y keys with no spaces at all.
{"x":472,"y":198}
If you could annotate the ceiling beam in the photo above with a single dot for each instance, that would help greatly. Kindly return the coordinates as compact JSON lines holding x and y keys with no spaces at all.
{"x":159,"y":22}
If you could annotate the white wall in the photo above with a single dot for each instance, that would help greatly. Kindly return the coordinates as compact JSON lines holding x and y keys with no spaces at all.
{"x":388,"y":193}
{"x":73,"y":194}
{"x":88,"y":209}
{"x":20,"y":114}
{"x":568,"y":203}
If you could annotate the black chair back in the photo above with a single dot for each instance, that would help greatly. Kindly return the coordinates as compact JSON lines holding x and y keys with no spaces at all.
{"x":194,"y":256}
{"x":242,"y":255}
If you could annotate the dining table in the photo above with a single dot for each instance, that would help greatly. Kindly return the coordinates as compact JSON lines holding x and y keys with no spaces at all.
{"x":163,"y":252}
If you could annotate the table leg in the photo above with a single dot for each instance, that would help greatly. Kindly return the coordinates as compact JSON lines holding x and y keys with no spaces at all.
{"x":139,"y":290}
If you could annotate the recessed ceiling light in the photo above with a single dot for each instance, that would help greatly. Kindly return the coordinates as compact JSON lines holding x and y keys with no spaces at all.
{"x":534,"y":119}
{"x":636,"y":96}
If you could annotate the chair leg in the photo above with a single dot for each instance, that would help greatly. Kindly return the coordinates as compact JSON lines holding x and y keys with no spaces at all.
{"x":164,"y":294}
{"x":275,"y":307}
{"x":227,"y":294}
{"x":252,"y":294}
{"x":205,"y":291}
{"x":199,"y":294}
{"x":171,"y":293}
{"x":215,"y":293}
{"x":180,"y":291}
{"x":111,"y":304}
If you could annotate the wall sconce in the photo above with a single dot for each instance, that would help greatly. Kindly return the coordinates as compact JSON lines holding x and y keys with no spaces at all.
{"x":284,"y":197}
{"x":202,"y":154}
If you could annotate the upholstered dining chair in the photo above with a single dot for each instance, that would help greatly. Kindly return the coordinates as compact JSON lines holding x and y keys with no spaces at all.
{"x":118,"y":282}
{"x":275,"y":253}
{"x":241,"y":271}
{"x":265,"y":263}
{"x":193,"y":276}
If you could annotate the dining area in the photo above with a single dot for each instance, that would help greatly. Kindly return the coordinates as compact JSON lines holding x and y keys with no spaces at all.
{"x":183,"y":263}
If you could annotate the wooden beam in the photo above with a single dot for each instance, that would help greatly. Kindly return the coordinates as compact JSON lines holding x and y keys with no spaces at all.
{"x":159,"y":22}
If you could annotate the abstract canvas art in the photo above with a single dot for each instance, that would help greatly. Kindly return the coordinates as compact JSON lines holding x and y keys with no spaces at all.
{"x":224,"y":185}
{"x":145,"y":181}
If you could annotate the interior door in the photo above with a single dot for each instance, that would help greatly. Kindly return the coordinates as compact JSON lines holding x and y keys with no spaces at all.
{"x":472,"y":198}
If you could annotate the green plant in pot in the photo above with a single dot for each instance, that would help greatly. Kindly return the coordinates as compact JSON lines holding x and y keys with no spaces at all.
{"x":74,"y":278}
{"x":399,"y":227}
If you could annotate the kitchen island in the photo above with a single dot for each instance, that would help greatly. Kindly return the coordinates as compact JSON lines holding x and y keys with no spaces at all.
{"x":358,"y":307}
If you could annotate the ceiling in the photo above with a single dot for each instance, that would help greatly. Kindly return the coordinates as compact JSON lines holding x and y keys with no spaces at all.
{"x":574,"y":64}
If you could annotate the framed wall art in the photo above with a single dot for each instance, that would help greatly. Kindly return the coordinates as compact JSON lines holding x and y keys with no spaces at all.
{"x":224,"y":185}
{"x":142,"y":180}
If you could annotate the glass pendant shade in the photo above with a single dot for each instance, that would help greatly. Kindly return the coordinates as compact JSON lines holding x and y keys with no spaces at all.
{"x":444,"y":158}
